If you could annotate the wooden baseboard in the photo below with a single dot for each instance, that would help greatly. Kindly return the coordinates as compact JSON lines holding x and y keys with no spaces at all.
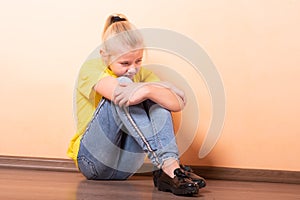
{"x":51,"y":164}
{"x":220,"y":173}
{"x":256,"y":175}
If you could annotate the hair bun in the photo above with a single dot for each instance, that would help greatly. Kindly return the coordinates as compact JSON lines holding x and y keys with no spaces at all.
{"x":117,"y":19}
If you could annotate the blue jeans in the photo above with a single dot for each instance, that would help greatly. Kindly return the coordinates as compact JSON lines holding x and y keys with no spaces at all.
{"x":117,"y":139}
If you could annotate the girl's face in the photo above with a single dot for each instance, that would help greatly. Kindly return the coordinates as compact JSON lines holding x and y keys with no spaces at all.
{"x":128,"y":64}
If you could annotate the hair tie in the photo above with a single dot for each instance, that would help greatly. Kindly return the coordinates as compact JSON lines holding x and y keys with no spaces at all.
{"x":117,"y":19}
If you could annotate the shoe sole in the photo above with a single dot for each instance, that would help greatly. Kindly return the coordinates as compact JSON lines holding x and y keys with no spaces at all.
{"x":186,"y":191}
{"x":200,"y":185}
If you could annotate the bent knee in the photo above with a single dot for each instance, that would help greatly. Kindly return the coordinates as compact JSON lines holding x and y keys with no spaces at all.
{"x":124,"y":79}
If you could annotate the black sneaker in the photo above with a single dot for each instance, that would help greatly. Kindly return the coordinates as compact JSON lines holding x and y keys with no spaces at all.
{"x":194,"y":177}
{"x":179,"y":185}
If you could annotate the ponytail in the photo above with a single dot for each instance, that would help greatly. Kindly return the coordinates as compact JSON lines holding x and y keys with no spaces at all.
{"x":112,"y":19}
{"x":119,"y":36}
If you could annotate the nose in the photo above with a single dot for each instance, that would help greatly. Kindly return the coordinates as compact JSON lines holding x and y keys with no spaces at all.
{"x":131,"y":70}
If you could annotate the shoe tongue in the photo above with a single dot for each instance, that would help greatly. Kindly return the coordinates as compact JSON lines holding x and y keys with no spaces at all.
{"x":179,"y":173}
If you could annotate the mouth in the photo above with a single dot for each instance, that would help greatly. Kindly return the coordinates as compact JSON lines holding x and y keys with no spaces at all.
{"x":130,"y":73}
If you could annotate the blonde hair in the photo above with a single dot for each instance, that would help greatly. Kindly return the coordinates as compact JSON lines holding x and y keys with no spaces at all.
{"x":119,"y":37}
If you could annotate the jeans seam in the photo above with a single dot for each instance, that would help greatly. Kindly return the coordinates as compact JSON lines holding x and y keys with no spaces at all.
{"x":139,"y":132}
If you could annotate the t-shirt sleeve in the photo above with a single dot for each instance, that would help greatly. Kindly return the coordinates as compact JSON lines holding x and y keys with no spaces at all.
{"x":146,"y":75}
{"x":91,"y":72}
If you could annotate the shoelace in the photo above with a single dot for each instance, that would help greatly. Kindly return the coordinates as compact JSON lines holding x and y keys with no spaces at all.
{"x":180,"y":174}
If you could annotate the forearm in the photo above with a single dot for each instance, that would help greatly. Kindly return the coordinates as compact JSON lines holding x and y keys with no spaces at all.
{"x":106,"y":87}
{"x":126,"y":94}
{"x":165,"y":97}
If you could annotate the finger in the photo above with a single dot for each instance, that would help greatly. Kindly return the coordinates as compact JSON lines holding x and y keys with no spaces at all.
{"x":116,"y":90}
{"x":116,"y":100}
{"x":181,"y":95}
{"x":127,"y":103}
{"x":184,"y":100}
{"x":123,"y":102}
{"x":119,"y":97}
{"x":115,"y":96}
{"x":119,"y":94}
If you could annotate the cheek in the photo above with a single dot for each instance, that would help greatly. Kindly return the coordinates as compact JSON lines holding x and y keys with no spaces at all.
{"x":119,"y":71}
{"x":138,"y":69}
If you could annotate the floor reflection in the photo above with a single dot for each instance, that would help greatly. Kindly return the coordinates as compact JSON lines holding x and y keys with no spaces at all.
{"x":129,"y":189}
{"x":135,"y":188}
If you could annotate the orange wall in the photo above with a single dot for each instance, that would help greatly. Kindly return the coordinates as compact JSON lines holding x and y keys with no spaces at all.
{"x":255,"y":46}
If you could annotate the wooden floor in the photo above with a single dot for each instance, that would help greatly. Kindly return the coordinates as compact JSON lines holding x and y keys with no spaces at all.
{"x":44,"y":185}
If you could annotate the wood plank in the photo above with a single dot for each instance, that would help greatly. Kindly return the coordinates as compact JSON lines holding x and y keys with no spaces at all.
{"x":29,"y":184}
{"x":218,"y":173}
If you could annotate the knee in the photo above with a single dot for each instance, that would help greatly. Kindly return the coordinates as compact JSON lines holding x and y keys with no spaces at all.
{"x":124,"y":79}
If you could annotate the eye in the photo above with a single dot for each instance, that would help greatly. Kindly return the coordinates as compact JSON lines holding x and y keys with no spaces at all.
{"x":125,"y":63}
{"x":138,"y":61}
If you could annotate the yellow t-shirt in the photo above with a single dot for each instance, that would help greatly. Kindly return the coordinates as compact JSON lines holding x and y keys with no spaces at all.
{"x":87,"y":99}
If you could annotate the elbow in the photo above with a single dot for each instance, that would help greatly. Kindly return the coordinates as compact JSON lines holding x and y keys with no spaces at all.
{"x":176,"y":110}
{"x":176,"y":107}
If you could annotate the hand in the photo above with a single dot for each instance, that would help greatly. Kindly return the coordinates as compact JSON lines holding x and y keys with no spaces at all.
{"x":127,"y":94}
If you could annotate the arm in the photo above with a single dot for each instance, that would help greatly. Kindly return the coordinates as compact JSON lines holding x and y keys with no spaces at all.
{"x":133,"y":93}
{"x":162,"y":93}
{"x":120,"y":93}
{"x":106,"y":87}
{"x":165,"y":96}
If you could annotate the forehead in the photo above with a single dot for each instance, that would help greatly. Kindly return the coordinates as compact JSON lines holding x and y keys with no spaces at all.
{"x":131,"y":55}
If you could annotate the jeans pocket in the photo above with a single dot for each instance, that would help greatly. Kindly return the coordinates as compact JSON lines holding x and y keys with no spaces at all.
{"x":87,"y":167}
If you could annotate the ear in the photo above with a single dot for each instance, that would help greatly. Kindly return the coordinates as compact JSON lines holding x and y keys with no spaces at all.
{"x":102,"y":52}
{"x":104,"y":55}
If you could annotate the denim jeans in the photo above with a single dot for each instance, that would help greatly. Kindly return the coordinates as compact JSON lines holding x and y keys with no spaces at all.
{"x":117,"y":139}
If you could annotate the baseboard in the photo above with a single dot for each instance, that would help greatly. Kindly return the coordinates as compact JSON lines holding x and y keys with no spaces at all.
{"x":219,"y":173}
{"x":51,"y":164}
{"x":256,"y":175}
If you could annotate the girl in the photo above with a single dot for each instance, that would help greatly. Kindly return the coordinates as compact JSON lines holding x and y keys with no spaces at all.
{"x":123,"y":112}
